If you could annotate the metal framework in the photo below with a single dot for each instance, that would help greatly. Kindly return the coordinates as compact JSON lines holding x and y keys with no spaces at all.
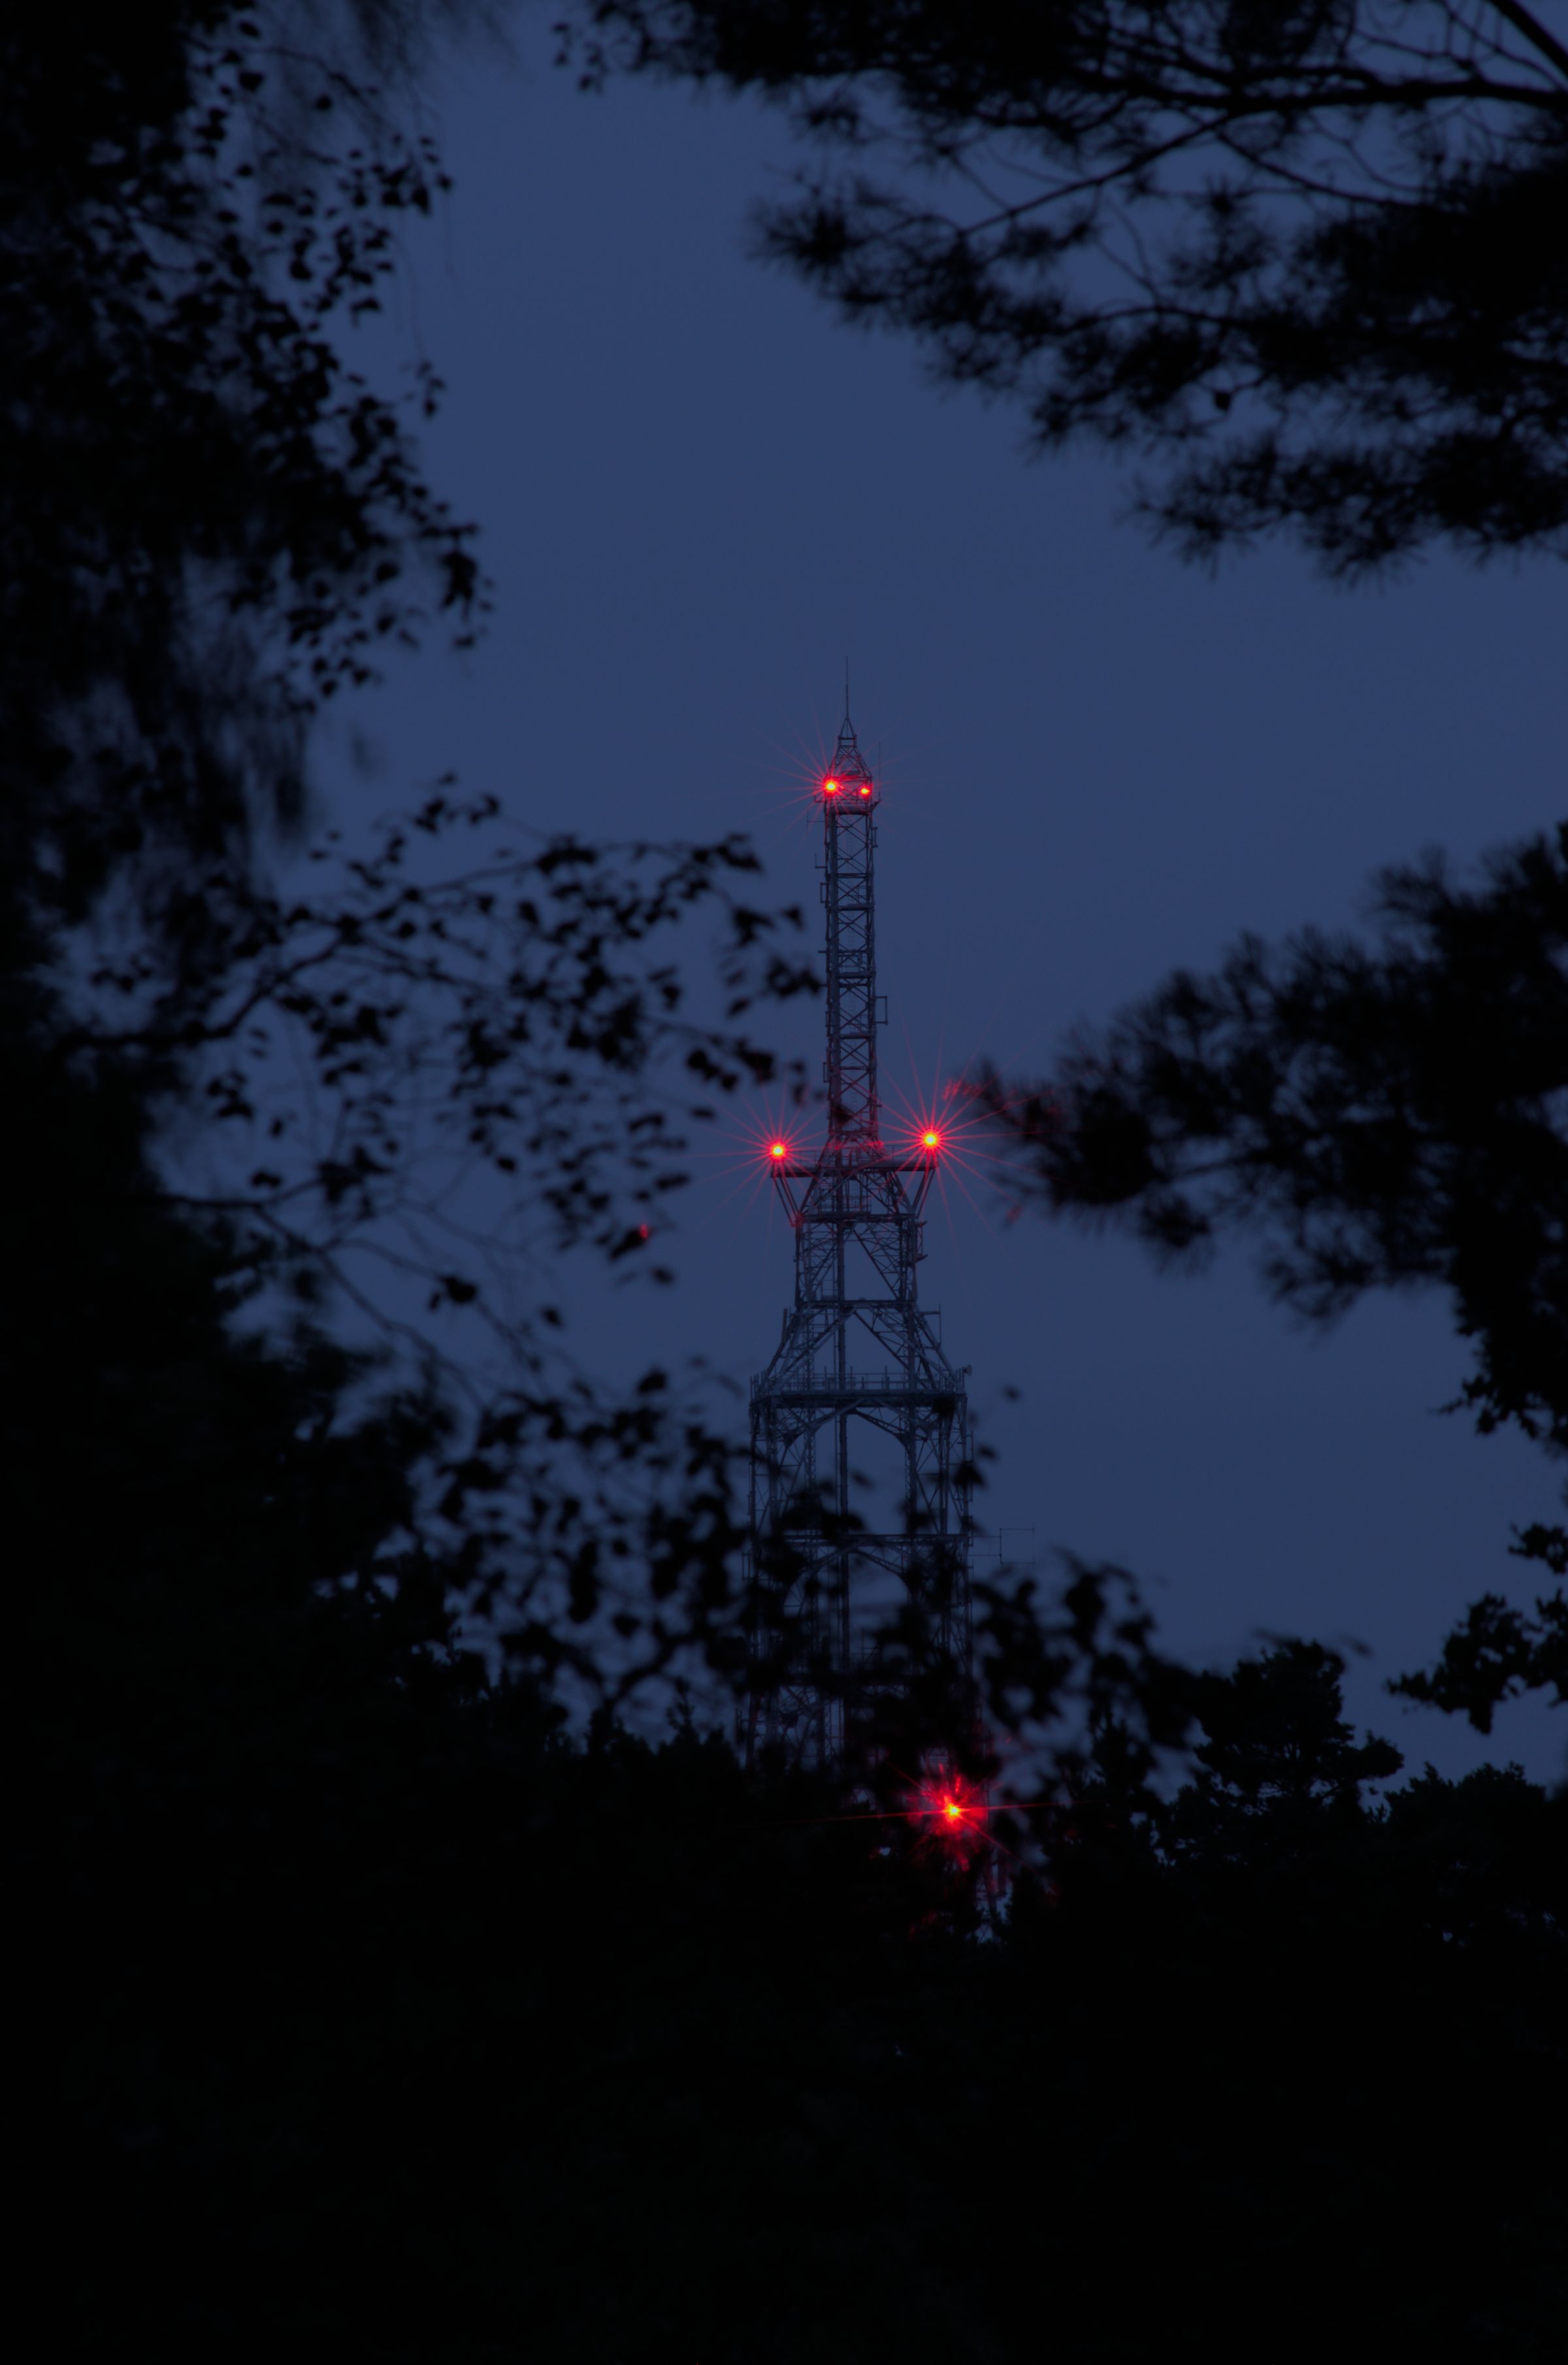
{"x":858,"y":1360}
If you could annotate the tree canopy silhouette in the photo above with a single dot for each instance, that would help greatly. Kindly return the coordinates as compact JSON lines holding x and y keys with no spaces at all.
{"x":1384,"y":1117}
{"x":1306,"y":257}
{"x":213,"y":523}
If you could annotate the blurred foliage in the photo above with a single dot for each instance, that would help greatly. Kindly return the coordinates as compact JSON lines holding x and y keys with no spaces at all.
{"x":210,"y":520}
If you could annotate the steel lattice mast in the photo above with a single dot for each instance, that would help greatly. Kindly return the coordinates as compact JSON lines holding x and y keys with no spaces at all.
{"x":857,"y":1357}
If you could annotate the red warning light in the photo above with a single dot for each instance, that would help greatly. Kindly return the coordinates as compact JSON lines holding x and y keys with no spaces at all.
{"x":778,"y":1149}
{"x":953,"y":1813}
{"x":832,"y":787}
{"x":866,"y":790}
{"x":930,"y":1138}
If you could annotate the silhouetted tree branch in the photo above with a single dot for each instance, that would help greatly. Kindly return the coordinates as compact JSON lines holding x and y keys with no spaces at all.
{"x":1497,"y":1652}
{"x":395,"y":1097}
{"x":1384,"y":1117}
{"x":1304,"y":254}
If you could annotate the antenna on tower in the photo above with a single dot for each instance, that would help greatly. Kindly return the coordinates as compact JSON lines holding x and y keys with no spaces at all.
{"x":859,"y":1358}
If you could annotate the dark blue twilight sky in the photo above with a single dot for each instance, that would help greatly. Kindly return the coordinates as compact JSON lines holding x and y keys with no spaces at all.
{"x":698,"y":493}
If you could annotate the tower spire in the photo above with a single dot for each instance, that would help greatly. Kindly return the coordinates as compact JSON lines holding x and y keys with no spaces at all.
{"x":828,"y":1571}
{"x":849,"y":1070}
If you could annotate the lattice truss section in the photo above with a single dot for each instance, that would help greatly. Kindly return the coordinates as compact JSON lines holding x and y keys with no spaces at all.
{"x":859,"y":1362}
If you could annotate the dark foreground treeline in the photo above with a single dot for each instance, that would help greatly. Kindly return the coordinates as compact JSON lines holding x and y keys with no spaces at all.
{"x":385,"y":2021}
{"x":382,"y":2019}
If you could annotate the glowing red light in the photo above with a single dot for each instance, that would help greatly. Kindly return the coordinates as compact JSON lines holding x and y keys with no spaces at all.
{"x":954,"y":1813}
{"x":832,"y":787}
{"x":866,"y":789}
{"x":778,"y":1149}
{"x":930,"y":1138}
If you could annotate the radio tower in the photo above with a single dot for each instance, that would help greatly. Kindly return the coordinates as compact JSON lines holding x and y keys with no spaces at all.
{"x":857,"y":1357}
